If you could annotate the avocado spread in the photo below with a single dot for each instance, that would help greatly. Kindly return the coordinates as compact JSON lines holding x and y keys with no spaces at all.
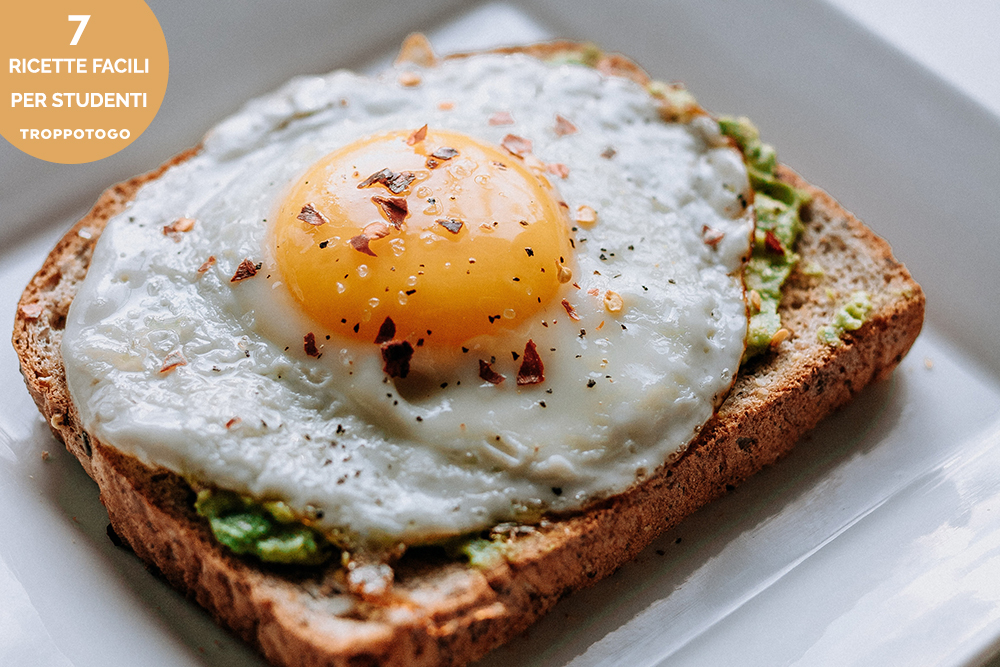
{"x":268,"y":530}
{"x":778,"y":229}
{"x":481,"y":553}
{"x":849,"y":318}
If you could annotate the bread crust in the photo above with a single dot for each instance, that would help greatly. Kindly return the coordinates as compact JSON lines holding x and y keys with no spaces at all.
{"x":445,"y":612}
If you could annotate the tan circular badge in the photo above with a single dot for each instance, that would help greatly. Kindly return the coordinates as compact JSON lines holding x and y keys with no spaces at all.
{"x":77,"y":87}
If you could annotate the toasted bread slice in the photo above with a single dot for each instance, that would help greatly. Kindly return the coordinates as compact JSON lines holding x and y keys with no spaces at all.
{"x":443,"y":611}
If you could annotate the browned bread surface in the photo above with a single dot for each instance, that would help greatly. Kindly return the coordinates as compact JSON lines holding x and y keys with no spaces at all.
{"x":444,"y":612}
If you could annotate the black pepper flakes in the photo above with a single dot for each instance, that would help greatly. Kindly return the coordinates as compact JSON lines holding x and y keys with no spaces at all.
{"x":386,"y":332}
{"x":397,"y":354}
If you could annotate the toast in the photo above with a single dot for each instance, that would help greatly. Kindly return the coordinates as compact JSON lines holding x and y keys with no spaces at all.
{"x":445,"y":611}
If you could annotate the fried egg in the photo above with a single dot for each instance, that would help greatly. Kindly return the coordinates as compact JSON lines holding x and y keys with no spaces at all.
{"x":414,"y":305}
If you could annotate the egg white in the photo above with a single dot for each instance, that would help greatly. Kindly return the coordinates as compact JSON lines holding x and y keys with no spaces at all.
{"x":446,"y":453}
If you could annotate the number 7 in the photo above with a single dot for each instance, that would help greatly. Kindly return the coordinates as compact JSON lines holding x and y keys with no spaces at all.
{"x":82,"y":18}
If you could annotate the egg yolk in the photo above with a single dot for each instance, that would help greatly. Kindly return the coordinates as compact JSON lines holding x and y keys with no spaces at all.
{"x":445,"y":235}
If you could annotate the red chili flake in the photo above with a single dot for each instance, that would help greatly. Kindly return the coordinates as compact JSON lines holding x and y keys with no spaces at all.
{"x":570,"y":310}
{"x":516,"y":145}
{"x":172,"y":361}
{"x":593,"y":291}
{"x":444,"y":153}
{"x":564,"y":127}
{"x":451,"y":224}
{"x":382,"y":177}
{"x":246,"y":269}
{"x":395,"y":182}
{"x":417,"y":136}
{"x":531,"y":370}
{"x":233,"y":422}
{"x":309,"y":344}
{"x":712,"y":236}
{"x":501,"y":118}
{"x":360,"y":243}
{"x":608,"y":153}
{"x":209,"y":263}
{"x":397,"y":354}
{"x":773,"y":243}
{"x":386,"y":332}
{"x":174,"y":229}
{"x":558,"y":168}
{"x":399,"y":182}
{"x":394,"y":208}
{"x":487,"y":373}
{"x":312,"y":216}
{"x":375,"y":230}
{"x":32,"y":311}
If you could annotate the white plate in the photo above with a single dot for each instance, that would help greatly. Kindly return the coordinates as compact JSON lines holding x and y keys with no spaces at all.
{"x":877,"y":541}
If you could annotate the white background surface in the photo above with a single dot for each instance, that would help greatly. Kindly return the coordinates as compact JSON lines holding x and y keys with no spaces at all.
{"x":958,"y":41}
{"x":876,"y":542}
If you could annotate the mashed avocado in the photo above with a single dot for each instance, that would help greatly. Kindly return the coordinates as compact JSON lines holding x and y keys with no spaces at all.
{"x":482,"y":554}
{"x":849,"y":318}
{"x":778,"y":228}
{"x":268,"y":530}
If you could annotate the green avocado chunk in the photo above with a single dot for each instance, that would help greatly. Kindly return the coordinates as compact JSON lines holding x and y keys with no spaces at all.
{"x":779,"y":226}
{"x":482,"y":554}
{"x":268,"y":530}
{"x":850,"y":317}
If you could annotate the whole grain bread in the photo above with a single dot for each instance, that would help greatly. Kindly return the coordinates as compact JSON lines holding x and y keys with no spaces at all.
{"x":444,"y":611}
